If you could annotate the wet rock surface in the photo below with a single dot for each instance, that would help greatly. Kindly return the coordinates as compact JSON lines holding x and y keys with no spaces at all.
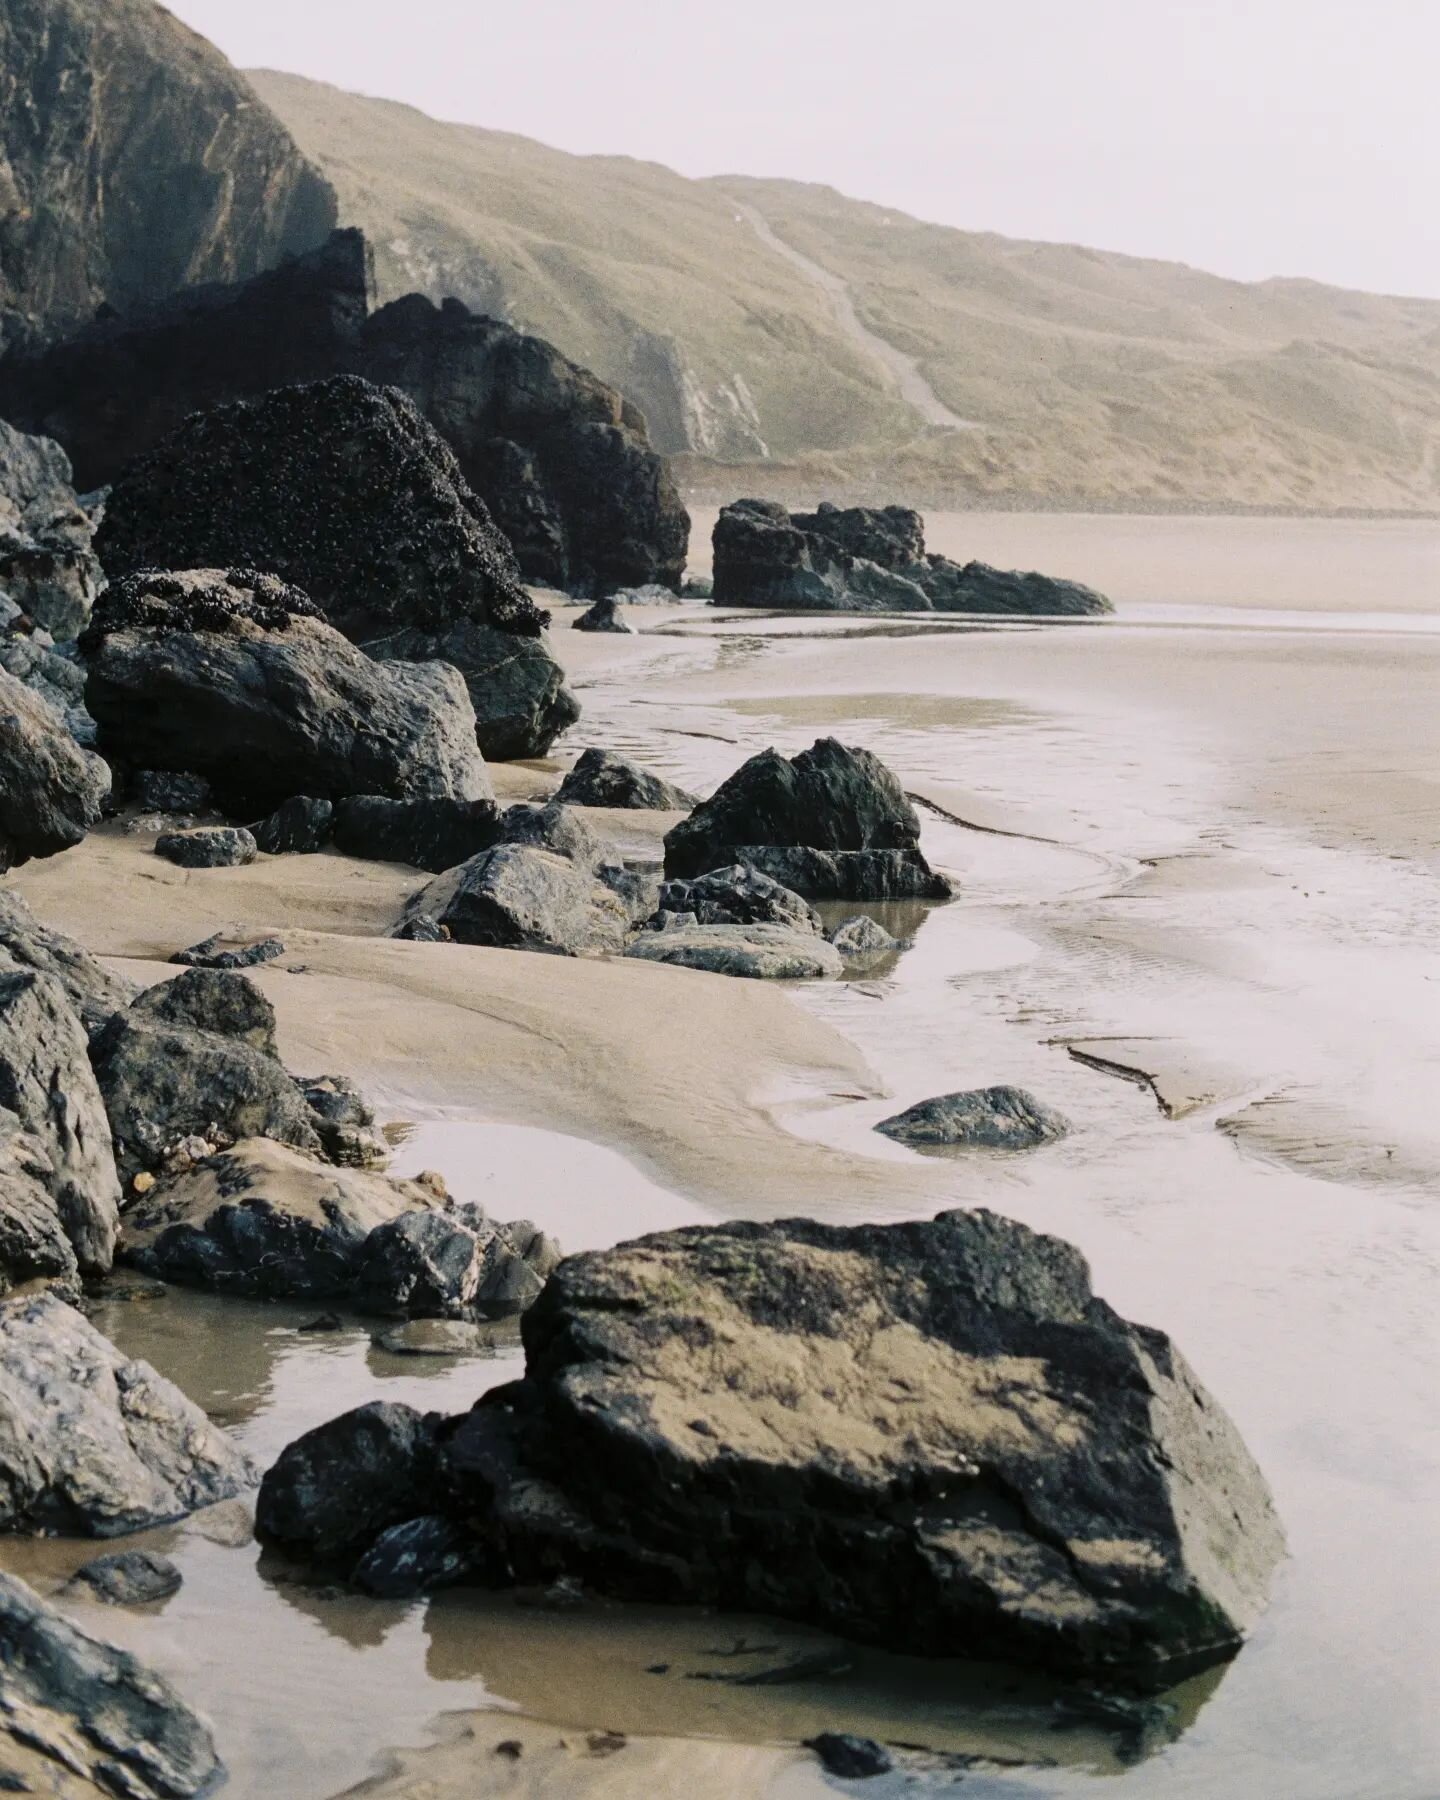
{"x":848,"y":874}
{"x":605,"y":778}
{"x":861,"y":940}
{"x":79,"y":1717}
{"x":996,"y":1118}
{"x":208,"y":847}
{"x":129,"y":1578}
{"x":739,"y":895}
{"x":93,"y":1444}
{"x":51,"y":790}
{"x":757,"y":951}
{"x":226,"y":674}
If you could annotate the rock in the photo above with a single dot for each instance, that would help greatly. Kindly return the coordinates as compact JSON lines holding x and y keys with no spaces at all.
{"x":58,"y":680}
{"x":434,"y":834}
{"x":79,"y":1717}
{"x":47,"y":568}
{"x":830,"y":798}
{"x":421,"y":928}
{"x":299,"y":826}
{"x":195,"y":1057}
{"x":416,"y":1558}
{"x":228,"y":674}
{"x":25,"y":943}
{"x":605,"y":778}
{"x":929,"y":1436}
{"x":862,"y":940}
{"x":451,"y":1265}
{"x":211,"y":847}
{"x":560,"y":829}
{"x":739,"y":895}
{"x":170,"y":791}
{"x":848,"y":874}
{"x":47,"y":1083}
{"x":850,"y":1758}
{"x":334,"y":1491}
{"x":866,"y":559}
{"x":997,"y":1118}
{"x":604,"y":615}
{"x":35,"y":1253}
{"x":345,"y":1121}
{"x":92,"y":1444}
{"x":264,"y":1222}
{"x":434,"y":1337}
{"x":217,"y":952}
{"x":51,"y":790}
{"x":697,"y":587}
{"x":522,"y":897}
{"x":129,"y":1578}
{"x":772,"y":952}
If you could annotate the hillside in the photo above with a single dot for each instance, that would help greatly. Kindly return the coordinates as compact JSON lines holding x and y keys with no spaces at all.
{"x":839,"y":344}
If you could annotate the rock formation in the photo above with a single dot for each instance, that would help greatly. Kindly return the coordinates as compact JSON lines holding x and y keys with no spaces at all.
{"x":605,"y":778}
{"x":757,"y":951}
{"x":47,"y":568}
{"x":739,"y":895}
{"x":51,"y":791}
{"x":561,"y":459}
{"x":94,"y":992}
{"x":997,"y":1118}
{"x":868,"y":559}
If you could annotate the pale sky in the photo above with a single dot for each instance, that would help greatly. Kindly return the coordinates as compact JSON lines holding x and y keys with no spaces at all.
{"x":1250,"y":137}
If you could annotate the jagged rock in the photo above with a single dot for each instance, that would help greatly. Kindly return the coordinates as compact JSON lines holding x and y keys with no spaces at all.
{"x":35,"y":1253}
{"x":605,"y":778}
{"x":850,"y":1758}
{"x":192,"y":1058}
{"x":92,"y":1444}
{"x":831,"y":799}
{"x":229,"y":675}
{"x":773,"y":952}
{"x":848,"y":874}
{"x":47,"y":568}
{"x":434,"y":834}
{"x":58,"y":680}
{"x":170,"y":791}
{"x":345,"y":1121}
{"x":129,"y":1578}
{"x":558,"y":828}
{"x":860,"y":559}
{"x":51,"y":790}
{"x":456,"y":1264}
{"x":333,"y":1492}
{"x":421,"y":928}
{"x":211,"y":847}
{"x":80,"y":1718}
{"x":862,"y":940}
{"x":981,"y":1459}
{"x":416,"y":1558}
{"x":217,"y":952}
{"x":997,"y":1118}
{"x":521,"y":897}
{"x":739,"y":895}
{"x":603,"y":615}
{"x":25,"y":943}
{"x":47,"y":1083}
{"x":299,"y":826}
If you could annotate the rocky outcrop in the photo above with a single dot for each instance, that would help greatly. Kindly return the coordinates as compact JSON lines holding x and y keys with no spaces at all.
{"x":80,"y":1718}
{"x":982,"y":1459}
{"x":868,"y":559}
{"x":230,"y":676}
{"x":47,"y":568}
{"x":831,"y":799}
{"x":563,"y":462}
{"x":605,"y":778}
{"x":51,"y":791}
{"x":93,"y":1444}
{"x":94,"y":992}
{"x":998,"y":1118}
{"x":757,"y":951}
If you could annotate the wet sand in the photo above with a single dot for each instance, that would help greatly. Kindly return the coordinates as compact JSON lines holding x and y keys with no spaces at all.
{"x":1207,"y":841}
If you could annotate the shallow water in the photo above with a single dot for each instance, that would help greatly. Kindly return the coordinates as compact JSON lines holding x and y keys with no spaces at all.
{"x":1216,"y":841}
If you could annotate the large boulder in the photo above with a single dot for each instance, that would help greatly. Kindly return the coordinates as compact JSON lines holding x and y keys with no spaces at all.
{"x":195,"y":1058}
{"x":81,"y":1718}
{"x":433,"y":834}
{"x":93,"y":1444}
{"x":519,"y":896}
{"x":35,"y":1253}
{"x":232,"y":675}
{"x":51,"y":790}
{"x":847,"y":874}
{"x":94,"y":992}
{"x":605,"y":778}
{"x":47,"y":567}
{"x":868,"y":559}
{"x":930,"y":1436}
{"x":830,"y":798}
{"x":757,"y":951}
{"x":47,"y":1083}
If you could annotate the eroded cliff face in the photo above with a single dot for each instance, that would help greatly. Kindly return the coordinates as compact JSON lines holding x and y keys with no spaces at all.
{"x":133,"y":161}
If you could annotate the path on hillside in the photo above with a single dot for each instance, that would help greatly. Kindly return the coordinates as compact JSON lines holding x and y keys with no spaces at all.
{"x":905,"y":370}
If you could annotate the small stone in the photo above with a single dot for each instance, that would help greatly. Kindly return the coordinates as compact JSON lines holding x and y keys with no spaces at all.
{"x":998,"y":1118}
{"x":218,"y":952}
{"x":861,"y":940}
{"x":849,"y":1757}
{"x":129,"y":1578}
{"x":212,"y":847}
{"x":511,"y":1747}
{"x":142,"y":1183}
{"x":435,"y":1337}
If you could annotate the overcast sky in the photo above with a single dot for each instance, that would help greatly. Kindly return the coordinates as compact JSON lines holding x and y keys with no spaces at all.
{"x":1251,"y":137}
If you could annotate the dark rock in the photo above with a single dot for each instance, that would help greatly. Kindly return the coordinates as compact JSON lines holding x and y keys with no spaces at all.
{"x":195,"y":1058}
{"x":170,"y":791}
{"x":861,"y":940}
{"x":92,"y":1444}
{"x":435,"y":1337}
{"x":604,"y":615}
{"x":739,"y":895}
{"x":345,"y":1121}
{"x":605,"y":778}
{"x":434,"y":834}
{"x":57,"y":679}
{"x":80,"y":1717}
{"x":51,"y":790}
{"x":891,"y":537}
{"x":47,"y":1084}
{"x":129,"y":1578}
{"x":333,"y":1492}
{"x":766,"y":952}
{"x":977,"y":588}
{"x":226,"y":674}
{"x":1015,"y":1472}
{"x":25,"y":943}
{"x":522,"y":897}
{"x":211,"y":847}
{"x":849,"y":1757}
{"x":438,"y":1265}
{"x":416,"y":1558}
{"x":47,"y":568}
{"x":422,"y":928}
{"x":35,"y":1253}
{"x":299,"y":826}
{"x":636,"y":887}
{"x":323,"y":1322}
{"x":997,"y":1118}
{"x":213,"y":953}
{"x":558,"y":828}
{"x":848,"y":874}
